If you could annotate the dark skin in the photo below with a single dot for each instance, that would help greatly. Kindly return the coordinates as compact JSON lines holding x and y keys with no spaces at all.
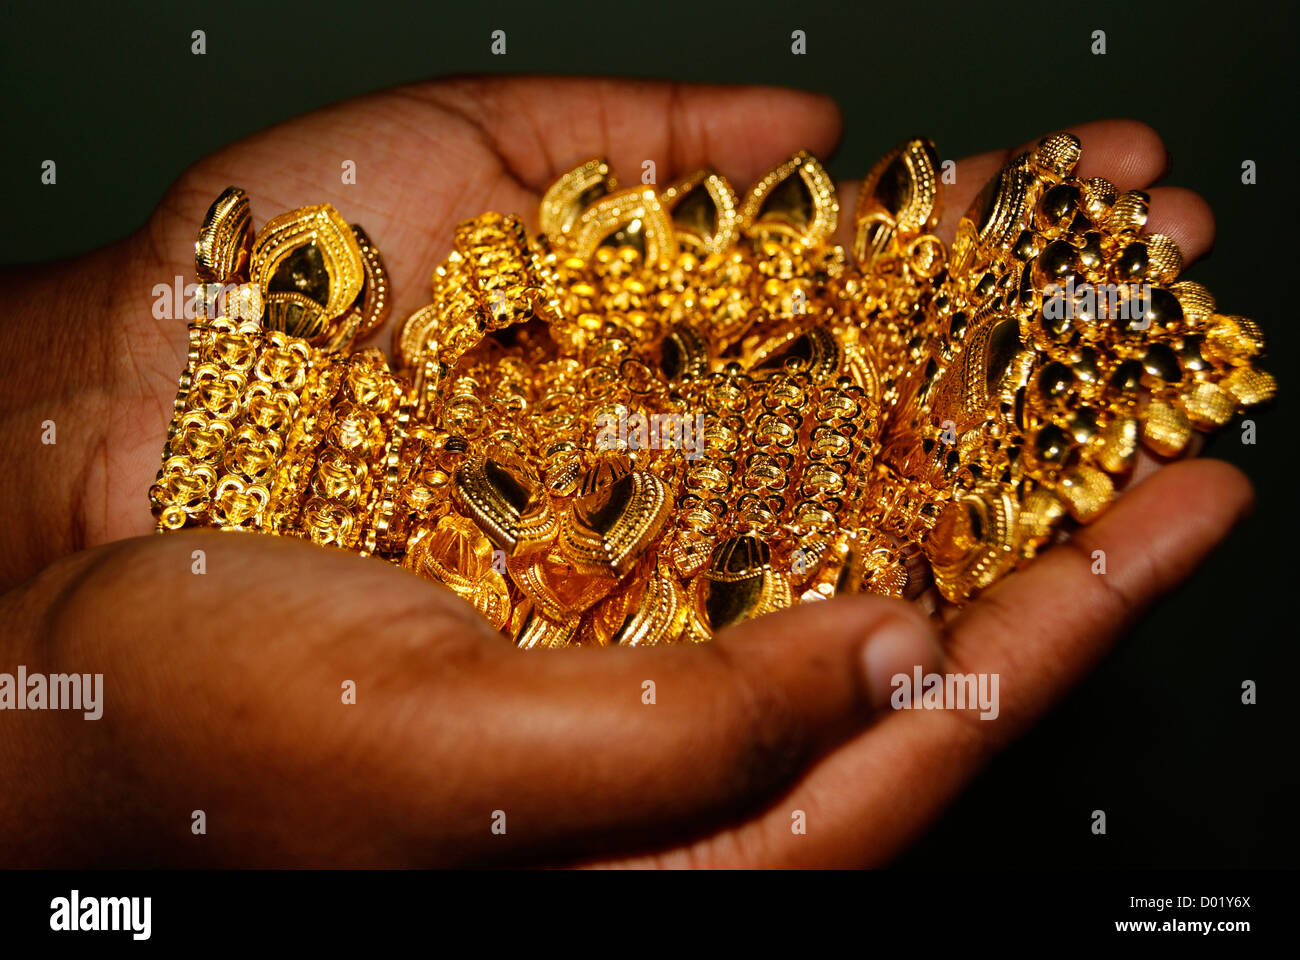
{"x":222,"y":692}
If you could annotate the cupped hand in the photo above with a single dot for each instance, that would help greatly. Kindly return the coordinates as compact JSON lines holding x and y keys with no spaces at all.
{"x":775,"y":745}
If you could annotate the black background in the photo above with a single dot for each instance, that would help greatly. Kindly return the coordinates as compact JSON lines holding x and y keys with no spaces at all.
{"x":1158,"y":737}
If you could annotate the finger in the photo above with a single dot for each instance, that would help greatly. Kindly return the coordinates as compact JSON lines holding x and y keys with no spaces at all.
{"x":544,"y":126}
{"x":846,"y":192}
{"x":1128,"y":153}
{"x":1180,"y":214}
{"x":1038,"y":630}
{"x":1183,"y":216}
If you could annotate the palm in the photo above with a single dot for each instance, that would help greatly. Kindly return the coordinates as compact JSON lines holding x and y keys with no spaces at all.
{"x":430,"y":156}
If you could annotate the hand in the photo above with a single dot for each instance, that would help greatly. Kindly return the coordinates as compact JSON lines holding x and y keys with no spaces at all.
{"x":223,"y":690}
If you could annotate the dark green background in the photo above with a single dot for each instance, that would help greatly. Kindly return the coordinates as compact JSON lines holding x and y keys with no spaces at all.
{"x":1157,"y":737}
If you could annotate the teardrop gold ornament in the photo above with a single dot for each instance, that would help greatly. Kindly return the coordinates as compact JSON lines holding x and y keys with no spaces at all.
{"x":557,"y":588}
{"x":795,"y":200}
{"x":996,"y":216}
{"x":739,"y":584}
{"x":505,"y":500}
{"x":813,"y":351}
{"x":974,"y":541}
{"x":704,"y":211}
{"x":572,"y":193}
{"x":649,"y":610}
{"x":900,"y":199}
{"x":634,"y":218}
{"x":374,"y":302}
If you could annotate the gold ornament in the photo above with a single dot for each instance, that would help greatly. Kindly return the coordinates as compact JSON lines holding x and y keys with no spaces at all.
{"x":676,"y":410}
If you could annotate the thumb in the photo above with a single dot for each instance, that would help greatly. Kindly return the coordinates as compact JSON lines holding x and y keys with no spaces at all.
{"x":621,"y":745}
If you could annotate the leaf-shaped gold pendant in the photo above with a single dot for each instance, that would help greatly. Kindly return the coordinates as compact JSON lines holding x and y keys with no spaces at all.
{"x":506,"y":502}
{"x":310,"y":270}
{"x":225,"y":243}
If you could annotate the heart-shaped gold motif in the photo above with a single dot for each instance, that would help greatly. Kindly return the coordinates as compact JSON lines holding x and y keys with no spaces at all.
{"x":900,"y":198}
{"x":634,"y":218}
{"x":572,"y":193}
{"x":236,"y":503}
{"x":650,"y":609}
{"x":608,"y":529}
{"x":505,"y":500}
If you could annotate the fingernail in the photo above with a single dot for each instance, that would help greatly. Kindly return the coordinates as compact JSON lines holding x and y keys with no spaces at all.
{"x":895,"y":649}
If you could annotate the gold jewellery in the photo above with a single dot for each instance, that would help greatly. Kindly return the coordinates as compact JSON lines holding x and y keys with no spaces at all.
{"x":677,"y":409}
